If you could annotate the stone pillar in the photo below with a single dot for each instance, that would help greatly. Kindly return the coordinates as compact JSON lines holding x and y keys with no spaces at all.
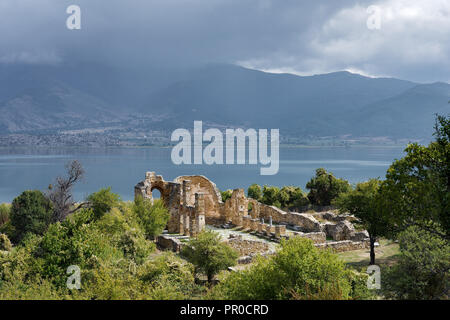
{"x":247,"y":222}
{"x":255,"y":209}
{"x":261,"y":227}
{"x":270,"y":220}
{"x":185,"y":189}
{"x":254,"y":224}
{"x":280,"y":230}
{"x":187,"y":225}
{"x":199,"y":212}
{"x":182,"y":219}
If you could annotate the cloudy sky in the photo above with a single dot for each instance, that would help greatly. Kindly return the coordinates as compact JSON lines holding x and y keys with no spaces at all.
{"x":302,"y":37}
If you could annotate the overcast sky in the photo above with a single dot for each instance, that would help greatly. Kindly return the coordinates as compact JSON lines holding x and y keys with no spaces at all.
{"x":302,"y":37}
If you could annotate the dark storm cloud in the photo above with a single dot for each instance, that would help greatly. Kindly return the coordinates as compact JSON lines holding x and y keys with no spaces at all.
{"x":304,"y":37}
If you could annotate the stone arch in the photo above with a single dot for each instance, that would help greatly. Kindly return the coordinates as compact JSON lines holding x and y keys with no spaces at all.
{"x":212,"y":196}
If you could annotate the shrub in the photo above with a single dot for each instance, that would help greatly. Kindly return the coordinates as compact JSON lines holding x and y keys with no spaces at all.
{"x":72,"y":242}
{"x":168,"y":268}
{"x":422,"y":271}
{"x":5,"y":210}
{"x":298,"y":271}
{"x":255,"y":192}
{"x":271,"y":196}
{"x":291,"y":196}
{"x":153,"y":217}
{"x":226,"y":195}
{"x":209,"y":255}
{"x":103,"y":201}
{"x":5,"y":243}
{"x":135,"y":246}
{"x":30,"y":212}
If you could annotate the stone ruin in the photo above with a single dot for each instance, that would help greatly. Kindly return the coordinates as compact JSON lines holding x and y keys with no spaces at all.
{"x":195,"y":201}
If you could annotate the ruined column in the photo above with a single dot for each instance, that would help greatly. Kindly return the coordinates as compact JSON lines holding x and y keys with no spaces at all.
{"x":280,"y":230}
{"x":261,"y":227}
{"x":199,"y":212}
{"x":182,"y":219}
{"x":185,"y":189}
{"x":187,"y":225}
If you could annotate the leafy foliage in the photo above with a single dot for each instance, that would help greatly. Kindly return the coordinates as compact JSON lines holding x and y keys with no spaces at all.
{"x":30,"y":212}
{"x":209,"y":255}
{"x":286,"y":197}
{"x":5,"y":210}
{"x":226,"y":195}
{"x":298,"y":271}
{"x":325,"y":187}
{"x":255,"y":192}
{"x":291,"y":196}
{"x":103,"y":201}
{"x":5,"y":243}
{"x":365,"y":203}
{"x":423,"y":268}
{"x":417,"y":187}
{"x":153,"y":216}
{"x":271,"y":196}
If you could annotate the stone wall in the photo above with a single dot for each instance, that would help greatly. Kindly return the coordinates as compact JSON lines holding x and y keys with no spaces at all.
{"x":167,"y":242}
{"x":316,"y":237}
{"x":345,"y":245}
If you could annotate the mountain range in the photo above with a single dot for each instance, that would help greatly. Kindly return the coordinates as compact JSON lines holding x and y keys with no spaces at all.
{"x":39,"y":99}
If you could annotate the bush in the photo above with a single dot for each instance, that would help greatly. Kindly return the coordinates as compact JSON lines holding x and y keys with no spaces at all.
{"x":209,"y":255}
{"x":168,"y":267}
{"x":422,"y":271}
{"x":298,"y":271}
{"x":255,"y":192}
{"x":271,"y":196}
{"x":226,"y":195}
{"x":103,"y":201}
{"x":5,"y":244}
{"x":291,"y":196}
{"x":5,"y":210}
{"x":30,"y":212}
{"x":73,"y":242}
{"x":325,"y":187}
{"x":134,"y":245}
{"x":153,"y":217}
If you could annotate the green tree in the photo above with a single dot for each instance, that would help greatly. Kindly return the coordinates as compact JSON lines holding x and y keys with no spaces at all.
{"x":153,"y":216}
{"x":30,"y":212}
{"x":417,"y":187}
{"x":103,"y":201}
{"x":226,"y":194}
{"x":255,"y":192}
{"x":291,"y":196}
{"x":422,"y":271}
{"x":297,"y":271}
{"x":364,"y":202}
{"x":324,"y":187}
{"x":209,"y":254}
{"x":271,"y":196}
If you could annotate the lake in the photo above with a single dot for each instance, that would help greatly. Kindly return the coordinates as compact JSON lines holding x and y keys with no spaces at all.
{"x":121,"y":168}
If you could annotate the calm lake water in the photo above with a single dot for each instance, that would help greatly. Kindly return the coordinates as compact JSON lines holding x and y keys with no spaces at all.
{"x":121,"y":168}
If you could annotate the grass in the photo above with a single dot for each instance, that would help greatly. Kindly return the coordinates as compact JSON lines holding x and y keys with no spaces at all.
{"x":385,"y":255}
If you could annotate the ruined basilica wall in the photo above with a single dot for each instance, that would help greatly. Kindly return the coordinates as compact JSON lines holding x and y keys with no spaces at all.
{"x":305,"y":221}
{"x":214,"y":207}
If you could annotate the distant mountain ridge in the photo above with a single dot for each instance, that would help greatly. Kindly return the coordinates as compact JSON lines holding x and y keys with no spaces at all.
{"x":48,"y":98}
